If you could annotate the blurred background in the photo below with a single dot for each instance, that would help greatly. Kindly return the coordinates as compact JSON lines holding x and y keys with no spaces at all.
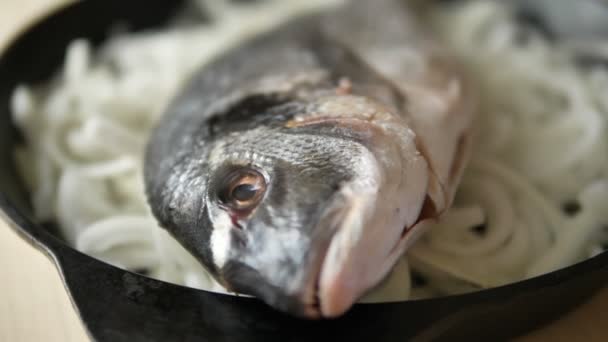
{"x":35,"y":307}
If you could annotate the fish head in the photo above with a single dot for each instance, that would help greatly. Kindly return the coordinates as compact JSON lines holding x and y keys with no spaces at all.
{"x":310,"y":213}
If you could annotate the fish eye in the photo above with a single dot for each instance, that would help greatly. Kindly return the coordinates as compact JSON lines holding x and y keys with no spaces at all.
{"x":244,"y":189}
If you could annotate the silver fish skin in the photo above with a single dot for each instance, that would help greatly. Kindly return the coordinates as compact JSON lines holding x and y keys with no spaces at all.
{"x":299,"y":166}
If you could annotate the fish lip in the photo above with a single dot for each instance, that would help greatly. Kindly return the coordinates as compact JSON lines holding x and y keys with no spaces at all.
{"x":312,"y":299}
{"x":336,"y":219}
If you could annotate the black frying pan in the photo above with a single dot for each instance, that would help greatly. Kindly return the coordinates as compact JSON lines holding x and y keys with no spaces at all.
{"x":117,"y":305}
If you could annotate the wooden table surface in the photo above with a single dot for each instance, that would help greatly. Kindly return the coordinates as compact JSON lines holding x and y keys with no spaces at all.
{"x":34,"y":306}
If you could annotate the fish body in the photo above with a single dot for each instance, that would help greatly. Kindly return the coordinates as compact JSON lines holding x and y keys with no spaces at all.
{"x":299,"y":166}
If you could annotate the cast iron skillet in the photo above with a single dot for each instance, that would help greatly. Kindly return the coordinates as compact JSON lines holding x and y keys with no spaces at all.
{"x":117,"y":305}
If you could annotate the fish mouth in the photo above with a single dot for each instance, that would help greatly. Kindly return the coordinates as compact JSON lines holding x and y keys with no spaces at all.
{"x":326,"y":300}
{"x":329,"y":299}
{"x":346,"y":272}
{"x":312,"y":308}
{"x":334,"y":297}
{"x":329,"y":224}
